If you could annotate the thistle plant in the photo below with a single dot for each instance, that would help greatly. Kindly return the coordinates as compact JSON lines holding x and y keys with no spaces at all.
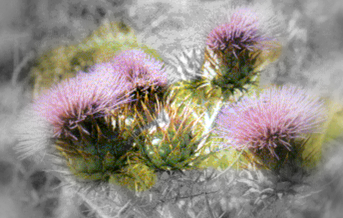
{"x":127,"y":121}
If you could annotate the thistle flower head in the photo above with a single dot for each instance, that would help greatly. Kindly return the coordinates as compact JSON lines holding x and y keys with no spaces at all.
{"x":241,"y":31}
{"x":236,"y":47}
{"x":141,"y":70}
{"x":70,"y":102}
{"x":145,"y":75}
{"x":89,"y":133}
{"x":271,"y":120}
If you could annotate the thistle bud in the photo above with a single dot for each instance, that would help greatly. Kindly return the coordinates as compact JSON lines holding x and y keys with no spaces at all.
{"x":174,"y":141}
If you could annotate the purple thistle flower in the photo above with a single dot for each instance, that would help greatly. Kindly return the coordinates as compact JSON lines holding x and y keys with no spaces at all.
{"x":242,"y":31}
{"x":70,"y":102}
{"x":273,"y":119}
{"x":141,"y":70}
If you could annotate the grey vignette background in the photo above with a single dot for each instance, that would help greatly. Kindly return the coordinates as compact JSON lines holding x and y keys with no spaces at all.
{"x":312,"y":56}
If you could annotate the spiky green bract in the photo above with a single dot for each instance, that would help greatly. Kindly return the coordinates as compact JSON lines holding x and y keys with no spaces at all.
{"x":100,"y":150}
{"x":174,"y":140}
{"x":273,"y":126}
{"x":135,"y":176}
{"x":106,"y":153}
{"x":232,"y":75}
{"x":213,"y":84}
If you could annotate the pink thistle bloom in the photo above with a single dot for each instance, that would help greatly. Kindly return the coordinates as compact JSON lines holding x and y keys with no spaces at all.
{"x":274,"y":118}
{"x":140,"y":69}
{"x":70,"y":102}
{"x":242,"y":31}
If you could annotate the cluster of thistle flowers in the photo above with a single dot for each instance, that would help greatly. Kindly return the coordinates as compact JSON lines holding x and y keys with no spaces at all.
{"x":271,"y":128}
{"x":124,"y":120}
{"x":113,"y":124}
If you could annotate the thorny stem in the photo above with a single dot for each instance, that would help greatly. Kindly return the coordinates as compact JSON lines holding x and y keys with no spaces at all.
{"x":208,"y":206}
{"x":92,"y":205}
{"x":227,"y":169}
